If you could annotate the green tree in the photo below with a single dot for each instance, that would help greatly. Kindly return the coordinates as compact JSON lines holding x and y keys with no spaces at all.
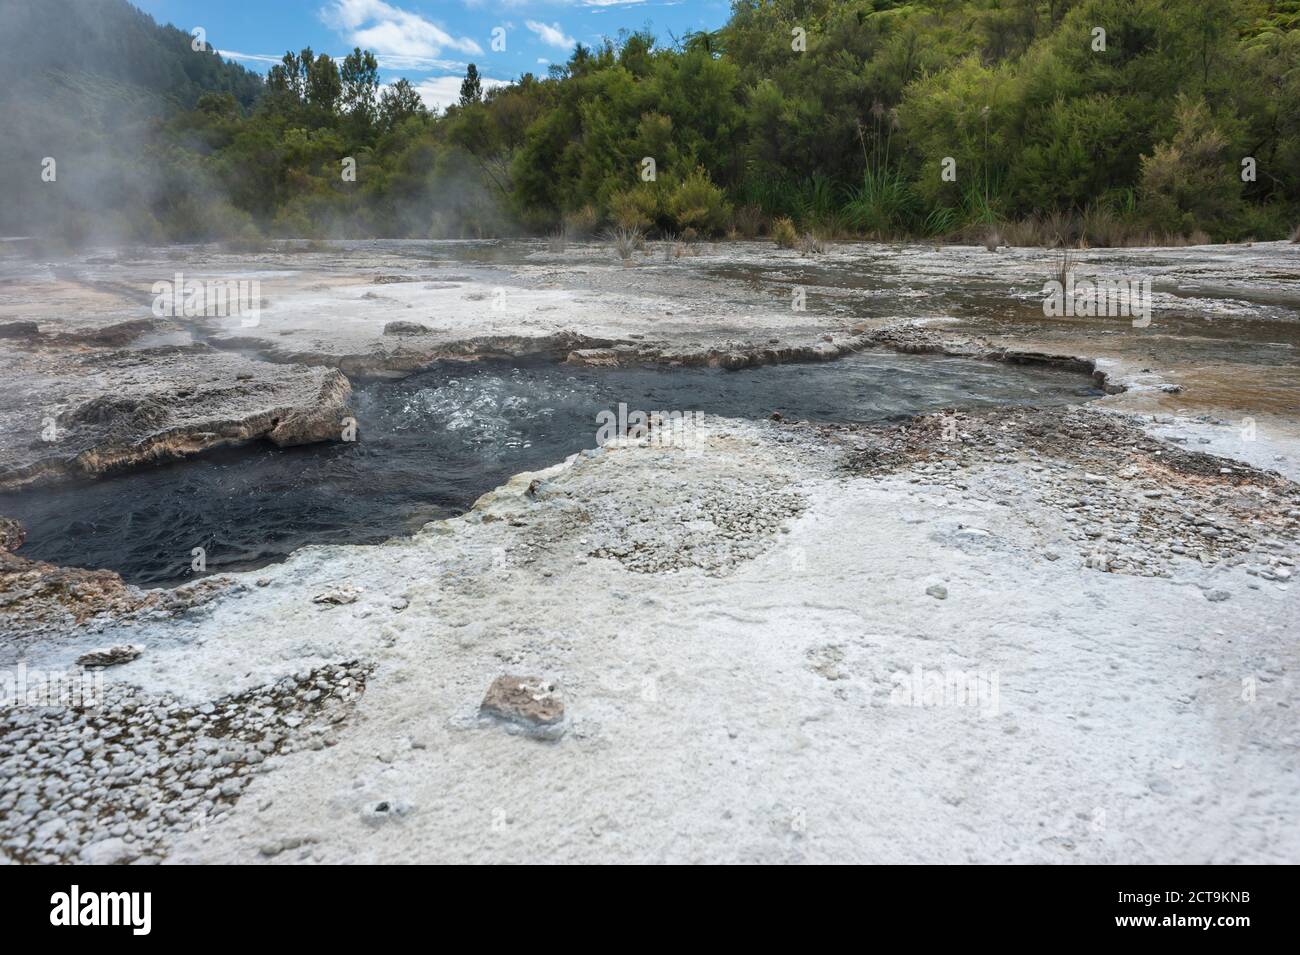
{"x":398,"y":103}
{"x":471,"y":88}
{"x":360,"y":78}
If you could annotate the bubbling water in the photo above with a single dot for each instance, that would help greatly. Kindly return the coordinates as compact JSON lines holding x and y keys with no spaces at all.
{"x":430,"y":444}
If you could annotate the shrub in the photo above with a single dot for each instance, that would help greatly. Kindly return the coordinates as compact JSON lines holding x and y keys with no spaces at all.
{"x":783,"y":233}
{"x":698,"y":204}
{"x":1190,"y":179}
{"x":635,"y":209}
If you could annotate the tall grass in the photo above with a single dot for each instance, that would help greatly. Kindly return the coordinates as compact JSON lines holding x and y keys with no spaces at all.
{"x":941,"y":222}
{"x":884,"y":205}
{"x":625,"y":242}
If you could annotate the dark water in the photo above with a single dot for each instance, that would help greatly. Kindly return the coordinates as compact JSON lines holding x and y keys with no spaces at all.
{"x":430,"y":444}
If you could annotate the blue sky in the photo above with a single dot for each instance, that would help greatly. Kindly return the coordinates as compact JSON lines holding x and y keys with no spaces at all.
{"x":430,"y":41}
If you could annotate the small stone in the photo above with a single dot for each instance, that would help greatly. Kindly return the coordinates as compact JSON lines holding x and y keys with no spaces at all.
{"x":530,"y":703}
{"x":937,"y":591}
{"x":110,"y":656}
{"x":405,"y":328}
{"x":337,"y":596}
{"x":111,"y":851}
{"x":1217,"y":596}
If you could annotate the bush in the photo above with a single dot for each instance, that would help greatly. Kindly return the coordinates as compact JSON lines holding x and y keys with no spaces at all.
{"x":699,"y":205}
{"x":1190,"y":179}
{"x":636,"y":208}
{"x":784,"y":234}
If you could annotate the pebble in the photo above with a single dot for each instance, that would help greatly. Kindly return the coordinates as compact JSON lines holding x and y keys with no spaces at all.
{"x":146,"y":767}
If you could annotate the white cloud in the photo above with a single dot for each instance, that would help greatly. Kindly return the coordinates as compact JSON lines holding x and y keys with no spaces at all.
{"x":388,"y":62}
{"x":386,"y":29}
{"x":439,"y":92}
{"x":249,"y":57}
{"x":418,"y":63}
{"x":551,"y":34}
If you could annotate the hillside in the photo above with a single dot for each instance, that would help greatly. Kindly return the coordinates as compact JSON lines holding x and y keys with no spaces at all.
{"x":1104,"y":122}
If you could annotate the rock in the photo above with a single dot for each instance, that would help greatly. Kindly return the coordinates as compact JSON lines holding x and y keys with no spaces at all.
{"x":276,"y":846}
{"x":321,"y":420}
{"x":530,"y":703}
{"x":150,"y":405}
{"x":937,"y":591}
{"x":110,"y":336}
{"x":406,"y":328}
{"x":595,"y":357}
{"x":111,"y":851}
{"x":337,"y":596}
{"x":1217,"y":596}
{"x":19,"y":330}
{"x":12,"y":534}
{"x":110,"y":656}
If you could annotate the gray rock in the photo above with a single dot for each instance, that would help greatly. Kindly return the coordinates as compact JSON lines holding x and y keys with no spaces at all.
{"x":111,"y":851}
{"x":337,"y":596}
{"x":110,"y":656}
{"x":406,"y":328}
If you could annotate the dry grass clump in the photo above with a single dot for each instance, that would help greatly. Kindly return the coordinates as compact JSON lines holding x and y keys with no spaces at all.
{"x":810,"y":244}
{"x":784,"y":234}
{"x":748,"y":222}
{"x":625,"y":241}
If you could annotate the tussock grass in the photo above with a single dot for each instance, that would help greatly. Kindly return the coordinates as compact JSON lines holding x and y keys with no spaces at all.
{"x":784,"y":234}
{"x":625,"y":241}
